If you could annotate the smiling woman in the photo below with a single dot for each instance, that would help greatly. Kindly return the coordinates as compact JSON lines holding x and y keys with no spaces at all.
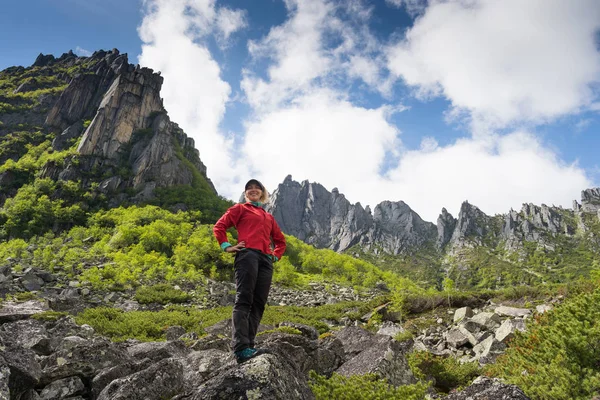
{"x":254,"y":258}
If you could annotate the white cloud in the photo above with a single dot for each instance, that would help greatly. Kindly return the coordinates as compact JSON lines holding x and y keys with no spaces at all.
{"x":305,"y":125}
{"x":320,"y":137}
{"x":194,"y":93}
{"x":230,"y":21}
{"x":82,"y":52}
{"x":504,"y":62}
{"x":494,"y":173}
{"x":413,"y":7}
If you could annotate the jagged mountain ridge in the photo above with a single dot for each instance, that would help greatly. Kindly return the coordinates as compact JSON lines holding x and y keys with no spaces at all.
{"x":128,"y":146}
{"x":328,"y":220}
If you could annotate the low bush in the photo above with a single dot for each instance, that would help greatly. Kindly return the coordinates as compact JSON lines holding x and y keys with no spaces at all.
{"x":557,"y":358}
{"x":162,"y":293}
{"x":447,"y":373}
{"x":362,"y":387}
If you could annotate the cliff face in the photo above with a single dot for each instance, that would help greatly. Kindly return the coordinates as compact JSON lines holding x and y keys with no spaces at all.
{"x":113,"y":110}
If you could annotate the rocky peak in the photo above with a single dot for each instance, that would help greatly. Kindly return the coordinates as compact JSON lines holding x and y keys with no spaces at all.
{"x":316,"y":216}
{"x":328,"y":220}
{"x":590,"y":200}
{"x":398,"y":228}
{"x":445,"y":228}
{"x":127,"y":141}
{"x":472,"y":225}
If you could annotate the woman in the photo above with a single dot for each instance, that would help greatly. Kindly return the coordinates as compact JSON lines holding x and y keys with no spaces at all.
{"x":253,"y":264}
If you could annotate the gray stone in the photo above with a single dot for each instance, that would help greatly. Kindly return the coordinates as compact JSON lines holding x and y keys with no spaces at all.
{"x":203,"y":365}
{"x":266,"y":377}
{"x":542,"y":308}
{"x":82,"y":357}
{"x":354,"y":340}
{"x":31,"y":282}
{"x":162,"y":380}
{"x":461,"y":313}
{"x":488,"y":348}
{"x":4,"y":381}
{"x":106,"y":376}
{"x":456,"y":337}
{"x":63,"y":388}
{"x":506,"y":331}
{"x":212,"y":342}
{"x":384,"y":358}
{"x":174,"y":332}
{"x":512,"y":311}
{"x":487,"y":320}
{"x":158,"y":350}
{"x":389,"y":328}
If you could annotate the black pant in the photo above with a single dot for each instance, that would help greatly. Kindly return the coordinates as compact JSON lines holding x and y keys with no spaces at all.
{"x":253,"y":274}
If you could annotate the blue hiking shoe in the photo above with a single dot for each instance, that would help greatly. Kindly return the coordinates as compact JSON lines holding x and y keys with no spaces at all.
{"x":246,"y":354}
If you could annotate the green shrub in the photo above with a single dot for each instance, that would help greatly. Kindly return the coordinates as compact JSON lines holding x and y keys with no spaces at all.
{"x":362,"y":387}
{"x":403,"y":336}
{"x":162,"y":293}
{"x":447,"y":373}
{"x":557,"y":358}
{"x":49,"y":315}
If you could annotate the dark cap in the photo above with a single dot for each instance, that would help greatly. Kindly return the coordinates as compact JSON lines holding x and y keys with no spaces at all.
{"x":255,"y":182}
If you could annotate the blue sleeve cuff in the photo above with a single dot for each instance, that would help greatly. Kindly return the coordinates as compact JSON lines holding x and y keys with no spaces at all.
{"x":273,"y":258}
{"x":225,"y":245}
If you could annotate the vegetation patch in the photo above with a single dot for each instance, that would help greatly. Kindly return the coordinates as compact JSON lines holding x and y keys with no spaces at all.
{"x":162,"y":293}
{"x":362,"y":387}
{"x":557,"y":358}
{"x":446,"y":373}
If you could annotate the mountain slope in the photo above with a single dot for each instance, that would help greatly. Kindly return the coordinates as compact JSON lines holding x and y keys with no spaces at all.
{"x":89,"y":133}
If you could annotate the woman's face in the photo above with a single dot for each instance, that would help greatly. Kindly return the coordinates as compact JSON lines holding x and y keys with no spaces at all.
{"x":253,"y":193}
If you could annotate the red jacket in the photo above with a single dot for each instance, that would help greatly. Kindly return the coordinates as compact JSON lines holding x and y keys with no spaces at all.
{"x":255,"y":226}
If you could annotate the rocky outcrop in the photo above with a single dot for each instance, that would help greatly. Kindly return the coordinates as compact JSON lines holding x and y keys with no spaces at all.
{"x":328,"y":220}
{"x":445,"y":228}
{"x":128,"y":146}
{"x":590,"y":200}
{"x":318,"y":217}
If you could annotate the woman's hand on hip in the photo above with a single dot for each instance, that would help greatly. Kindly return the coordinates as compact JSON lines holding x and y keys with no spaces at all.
{"x":234,"y":249}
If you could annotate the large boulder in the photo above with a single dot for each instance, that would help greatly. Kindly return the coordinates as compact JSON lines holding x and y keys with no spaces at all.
{"x":106,"y":376}
{"x":162,"y":380}
{"x":266,"y":377}
{"x":158,"y":350}
{"x":82,"y":357}
{"x":385,"y":358}
{"x":13,"y":311}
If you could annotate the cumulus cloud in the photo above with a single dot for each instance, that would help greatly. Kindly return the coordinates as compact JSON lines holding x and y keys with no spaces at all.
{"x":305,"y":125}
{"x":497,"y":66}
{"x":321,"y":137}
{"x":503,"y":62}
{"x":494,"y":173}
{"x":194,"y":93}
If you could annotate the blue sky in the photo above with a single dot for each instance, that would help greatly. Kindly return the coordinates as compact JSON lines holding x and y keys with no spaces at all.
{"x":431,"y":102}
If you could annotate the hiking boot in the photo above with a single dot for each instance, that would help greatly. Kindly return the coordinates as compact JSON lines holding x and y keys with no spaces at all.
{"x":244,"y":355}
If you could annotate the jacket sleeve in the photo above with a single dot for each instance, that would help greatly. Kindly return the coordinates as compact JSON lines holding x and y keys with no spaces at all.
{"x":229,"y":219}
{"x":278,"y":240}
